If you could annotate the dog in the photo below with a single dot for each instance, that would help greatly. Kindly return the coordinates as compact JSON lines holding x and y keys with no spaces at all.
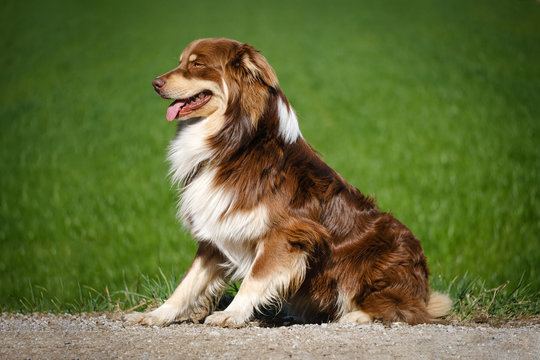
{"x":266,"y":209}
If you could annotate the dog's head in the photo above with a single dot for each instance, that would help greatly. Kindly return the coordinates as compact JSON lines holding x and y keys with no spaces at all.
{"x":214,"y":76}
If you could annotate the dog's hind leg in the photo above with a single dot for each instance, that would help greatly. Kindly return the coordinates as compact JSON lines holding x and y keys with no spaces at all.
{"x":194,"y":295}
{"x":395,"y":304}
{"x":278,"y":270}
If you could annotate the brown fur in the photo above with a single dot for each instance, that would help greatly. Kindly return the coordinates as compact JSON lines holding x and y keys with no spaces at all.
{"x":349,"y":255}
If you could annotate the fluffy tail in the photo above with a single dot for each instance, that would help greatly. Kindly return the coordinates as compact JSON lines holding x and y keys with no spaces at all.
{"x":438,"y":305}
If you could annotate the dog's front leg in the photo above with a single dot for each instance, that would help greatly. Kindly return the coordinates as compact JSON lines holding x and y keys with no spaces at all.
{"x":194,"y":295}
{"x":277,"y":271}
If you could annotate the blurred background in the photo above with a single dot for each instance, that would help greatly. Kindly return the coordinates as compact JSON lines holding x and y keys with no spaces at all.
{"x":431,"y":106}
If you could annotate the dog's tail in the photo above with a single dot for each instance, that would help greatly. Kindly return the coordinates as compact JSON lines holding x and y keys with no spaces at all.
{"x":438,"y":305}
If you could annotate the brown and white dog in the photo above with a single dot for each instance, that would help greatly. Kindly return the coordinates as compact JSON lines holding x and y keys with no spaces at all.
{"x":266,"y":209}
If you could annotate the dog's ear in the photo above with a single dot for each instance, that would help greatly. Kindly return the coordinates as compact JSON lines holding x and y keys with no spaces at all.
{"x":252,"y":65}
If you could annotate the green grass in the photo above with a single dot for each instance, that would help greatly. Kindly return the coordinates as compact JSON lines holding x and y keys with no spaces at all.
{"x":473,"y":301}
{"x":432,"y":106}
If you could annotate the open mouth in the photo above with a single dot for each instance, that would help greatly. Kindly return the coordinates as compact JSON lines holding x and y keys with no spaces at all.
{"x":183,"y":107}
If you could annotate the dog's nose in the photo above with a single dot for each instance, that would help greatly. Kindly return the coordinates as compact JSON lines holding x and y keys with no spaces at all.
{"x":158,"y":83}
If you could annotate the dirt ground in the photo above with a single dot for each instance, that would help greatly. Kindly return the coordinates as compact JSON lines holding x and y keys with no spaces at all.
{"x":96,"y":336}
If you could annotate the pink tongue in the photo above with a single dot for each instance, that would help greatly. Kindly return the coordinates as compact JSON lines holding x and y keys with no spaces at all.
{"x":173,"y":110}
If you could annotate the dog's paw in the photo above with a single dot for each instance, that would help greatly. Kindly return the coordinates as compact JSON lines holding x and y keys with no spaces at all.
{"x":229,"y":319}
{"x":355,"y":317}
{"x":133,"y":318}
{"x":162,"y":316}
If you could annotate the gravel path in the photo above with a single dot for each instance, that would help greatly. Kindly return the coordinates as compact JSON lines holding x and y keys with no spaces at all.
{"x":97,"y":336}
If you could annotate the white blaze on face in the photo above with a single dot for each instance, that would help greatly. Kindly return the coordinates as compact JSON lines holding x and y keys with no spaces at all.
{"x":288,"y":123}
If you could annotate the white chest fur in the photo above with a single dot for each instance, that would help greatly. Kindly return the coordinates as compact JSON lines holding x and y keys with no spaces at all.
{"x":188,"y":150}
{"x":206,"y":209}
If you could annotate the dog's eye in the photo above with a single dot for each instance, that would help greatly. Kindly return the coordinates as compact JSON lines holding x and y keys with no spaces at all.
{"x":197,"y":64}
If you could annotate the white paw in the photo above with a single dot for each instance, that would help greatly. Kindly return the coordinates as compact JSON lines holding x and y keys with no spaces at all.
{"x":355,"y":317}
{"x":230,"y":319}
{"x":133,"y":318}
{"x":162,"y":316}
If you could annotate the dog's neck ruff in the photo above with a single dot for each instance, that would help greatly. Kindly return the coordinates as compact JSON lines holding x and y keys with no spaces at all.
{"x":191,"y":147}
{"x":188,"y":150}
